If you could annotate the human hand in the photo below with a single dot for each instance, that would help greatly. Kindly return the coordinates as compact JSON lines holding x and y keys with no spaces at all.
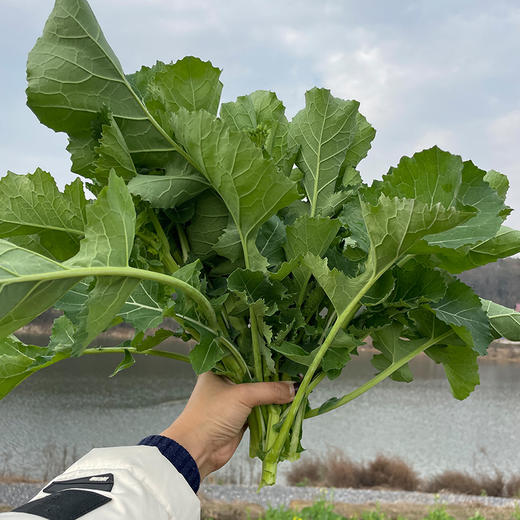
{"x":213,"y":422}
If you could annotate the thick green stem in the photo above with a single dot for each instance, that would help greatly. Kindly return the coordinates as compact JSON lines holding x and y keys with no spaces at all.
{"x":185,"y":247}
{"x":169,"y":262}
{"x":274,"y":454}
{"x":124,"y":272}
{"x":380,"y":377}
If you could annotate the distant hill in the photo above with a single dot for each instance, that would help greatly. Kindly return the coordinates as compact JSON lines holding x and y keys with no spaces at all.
{"x":499,"y":281}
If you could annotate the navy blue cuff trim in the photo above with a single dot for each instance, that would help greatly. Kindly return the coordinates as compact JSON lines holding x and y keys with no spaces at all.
{"x":178,"y":456}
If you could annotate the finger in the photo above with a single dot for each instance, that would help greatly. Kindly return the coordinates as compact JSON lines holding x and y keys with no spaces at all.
{"x":254,"y":394}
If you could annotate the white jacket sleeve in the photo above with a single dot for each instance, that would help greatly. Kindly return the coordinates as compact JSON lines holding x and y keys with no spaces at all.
{"x":130,"y":483}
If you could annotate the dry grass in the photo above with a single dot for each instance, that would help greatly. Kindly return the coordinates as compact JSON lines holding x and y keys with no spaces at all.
{"x":337,"y":470}
{"x":465,"y":484}
{"x":389,"y":472}
{"x":513,"y":487}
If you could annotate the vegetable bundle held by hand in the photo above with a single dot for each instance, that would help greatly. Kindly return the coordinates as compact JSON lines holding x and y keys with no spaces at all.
{"x":255,"y":234}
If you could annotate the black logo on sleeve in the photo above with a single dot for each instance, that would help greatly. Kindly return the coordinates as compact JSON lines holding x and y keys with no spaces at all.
{"x":69,"y":504}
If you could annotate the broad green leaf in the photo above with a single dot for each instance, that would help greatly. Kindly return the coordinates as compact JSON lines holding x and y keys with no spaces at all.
{"x":339,"y":353}
{"x":351,"y":217}
{"x":380,"y":291}
{"x":416,"y":284}
{"x":189,"y":83}
{"x":23,"y":301}
{"x":431,"y":176}
{"x":62,"y":337}
{"x":142,"y":343}
{"x":396,"y":226}
{"x":504,"y":322}
{"x":33,"y":205}
{"x":179,"y":183}
{"x":127,"y":361}
{"x":109,"y":236}
{"x":294,"y":353}
{"x":73,"y":301}
{"x":505,"y":243}
{"x":248,"y":184}
{"x":17,"y":362}
{"x":207,"y":225}
{"x":262,"y":115}
{"x":461,"y":367}
{"x":73,"y":75}
{"x":324,"y":130}
{"x":309,"y":235}
{"x":255,"y":285}
{"x":112,"y":153}
{"x":143,"y":309}
{"x":498,"y":182}
{"x":270,"y":240}
{"x":461,"y":308}
{"x":393,"y":348}
{"x":206,"y":354}
{"x":357,"y":149}
{"x":434,"y":176}
{"x":340,"y":289}
{"x":477,"y":193}
{"x":229,"y":245}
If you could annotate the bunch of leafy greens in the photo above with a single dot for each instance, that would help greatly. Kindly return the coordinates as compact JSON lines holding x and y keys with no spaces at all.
{"x":255,"y":234}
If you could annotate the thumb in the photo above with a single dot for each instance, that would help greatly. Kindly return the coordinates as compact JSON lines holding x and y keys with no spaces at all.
{"x":254,"y":394}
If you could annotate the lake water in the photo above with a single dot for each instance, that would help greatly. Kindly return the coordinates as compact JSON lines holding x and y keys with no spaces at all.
{"x":65,"y":410}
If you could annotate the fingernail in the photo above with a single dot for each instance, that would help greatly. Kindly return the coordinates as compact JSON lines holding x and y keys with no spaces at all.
{"x":291,"y":386}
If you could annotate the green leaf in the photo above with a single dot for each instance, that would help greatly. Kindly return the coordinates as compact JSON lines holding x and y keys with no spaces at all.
{"x":179,"y":183}
{"x":504,"y":322}
{"x":434,"y":176}
{"x":270,"y":240}
{"x":229,"y":245}
{"x":498,"y":182}
{"x":309,"y":235}
{"x":73,"y":75}
{"x":142,"y":343}
{"x":338,"y":354}
{"x":109,"y":236}
{"x":416,"y":284}
{"x":461,"y":367}
{"x":255,"y":285}
{"x":112,"y":154}
{"x":32,"y":204}
{"x":396,"y":227}
{"x":23,"y":301}
{"x":207,"y":225}
{"x":477,"y":193}
{"x":17,"y":362}
{"x":206,"y":354}
{"x":324,"y":130}
{"x":189,"y":83}
{"x":143,"y":309}
{"x":461,"y":308}
{"x":505,"y":243}
{"x":294,"y":353}
{"x":340,"y":289}
{"x":126,"y":362}
{"x":357,"y":150}
{"x":262,"y":115}
{"x":247,"y":183}
{"x":388,"y":341}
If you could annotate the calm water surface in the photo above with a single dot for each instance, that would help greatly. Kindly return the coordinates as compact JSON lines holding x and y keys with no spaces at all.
{"x":74,"y":405}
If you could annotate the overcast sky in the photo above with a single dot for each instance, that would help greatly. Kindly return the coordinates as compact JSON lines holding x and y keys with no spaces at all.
{"x":442,"y":72}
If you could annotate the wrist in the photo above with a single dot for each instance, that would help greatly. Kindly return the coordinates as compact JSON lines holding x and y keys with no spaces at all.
{"x":191,"y":440}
